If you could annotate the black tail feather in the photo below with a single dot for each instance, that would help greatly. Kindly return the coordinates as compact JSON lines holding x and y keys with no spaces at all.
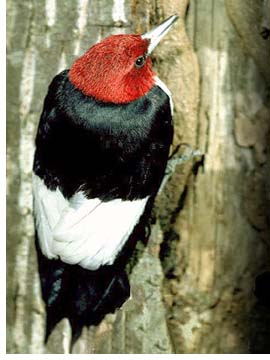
{"x":82,"y":296}
{"x":96,"y":294}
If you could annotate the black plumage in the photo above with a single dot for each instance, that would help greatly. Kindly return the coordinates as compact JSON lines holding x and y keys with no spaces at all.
{"x":108,"y":150}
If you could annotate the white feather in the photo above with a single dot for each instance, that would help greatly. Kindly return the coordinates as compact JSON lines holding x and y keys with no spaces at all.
{"x":164,"y":87}
{"x":81,"y":231}
{"x":48,"y":206}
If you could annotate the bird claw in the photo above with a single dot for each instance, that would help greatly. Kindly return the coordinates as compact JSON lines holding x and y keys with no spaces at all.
{"x":178,"y":158}
{"x":186,"y":155}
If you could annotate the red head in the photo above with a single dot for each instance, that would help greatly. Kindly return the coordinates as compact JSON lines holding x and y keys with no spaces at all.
{"x":118,"y":69}
{"x":109,"y":72}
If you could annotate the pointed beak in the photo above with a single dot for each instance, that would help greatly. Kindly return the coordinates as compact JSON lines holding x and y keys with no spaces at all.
{"x":155,"y":35}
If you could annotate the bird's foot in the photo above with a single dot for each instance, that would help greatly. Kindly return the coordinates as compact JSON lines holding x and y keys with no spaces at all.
{"x":182,"y":154}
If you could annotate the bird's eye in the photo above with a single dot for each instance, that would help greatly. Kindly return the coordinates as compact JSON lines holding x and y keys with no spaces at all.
{"x":140,"y":61}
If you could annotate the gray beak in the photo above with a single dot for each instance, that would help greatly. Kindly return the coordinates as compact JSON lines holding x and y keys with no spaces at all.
{"x":156,"y":34}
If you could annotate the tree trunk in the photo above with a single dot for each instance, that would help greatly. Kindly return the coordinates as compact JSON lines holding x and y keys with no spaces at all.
{"x":192,"y":286}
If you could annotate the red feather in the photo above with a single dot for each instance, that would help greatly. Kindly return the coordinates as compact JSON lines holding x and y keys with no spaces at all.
{"x":107,"y":70}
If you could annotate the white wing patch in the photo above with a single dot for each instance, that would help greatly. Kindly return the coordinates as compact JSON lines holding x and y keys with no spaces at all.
{"x":48,"y":206}
{"x":164,"y":87}
{"x":81,"y":231}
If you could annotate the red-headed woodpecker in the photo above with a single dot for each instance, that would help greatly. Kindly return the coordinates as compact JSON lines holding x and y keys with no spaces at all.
{"x":101,"y":150}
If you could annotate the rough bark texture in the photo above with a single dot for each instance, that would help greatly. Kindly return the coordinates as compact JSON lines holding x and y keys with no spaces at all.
{"x":192,"y":286}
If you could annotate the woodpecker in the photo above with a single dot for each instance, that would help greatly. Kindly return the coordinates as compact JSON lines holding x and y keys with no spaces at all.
{"x":102,"y":146}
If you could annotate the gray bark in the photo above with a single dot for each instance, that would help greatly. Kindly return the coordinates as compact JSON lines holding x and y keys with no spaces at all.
{"x":192,"y":286}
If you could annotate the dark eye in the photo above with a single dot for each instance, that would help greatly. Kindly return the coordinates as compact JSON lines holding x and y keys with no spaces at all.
{"x":140,"y":61}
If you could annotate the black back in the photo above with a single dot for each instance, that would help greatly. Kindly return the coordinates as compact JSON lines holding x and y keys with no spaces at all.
{"x":108,"y":150}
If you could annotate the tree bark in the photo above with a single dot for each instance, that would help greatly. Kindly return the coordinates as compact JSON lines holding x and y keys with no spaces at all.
{"x":192,"y":285}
